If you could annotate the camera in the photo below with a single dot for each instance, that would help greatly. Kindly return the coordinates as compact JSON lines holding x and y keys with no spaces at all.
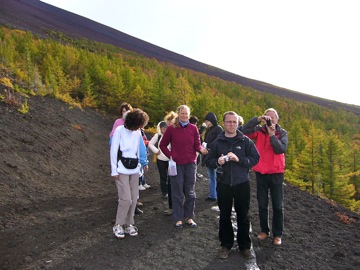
{"x":268,"y":122}
{"x":226,"y":158}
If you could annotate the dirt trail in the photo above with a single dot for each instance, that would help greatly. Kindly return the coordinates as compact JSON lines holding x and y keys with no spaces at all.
{"x":58,"y":204}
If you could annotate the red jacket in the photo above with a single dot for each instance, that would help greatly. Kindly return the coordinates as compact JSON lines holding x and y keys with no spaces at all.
{"x":271,"y":149}
{"x":185,"y":142}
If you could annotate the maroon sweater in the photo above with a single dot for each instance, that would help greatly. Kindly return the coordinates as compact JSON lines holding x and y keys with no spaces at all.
{"x":184,"y":141}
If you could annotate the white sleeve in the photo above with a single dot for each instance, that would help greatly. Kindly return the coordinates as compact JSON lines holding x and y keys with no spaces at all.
{"x":152,"y":142}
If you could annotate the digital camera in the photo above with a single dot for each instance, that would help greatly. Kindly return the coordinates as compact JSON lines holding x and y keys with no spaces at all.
{"x":268,"y":122}
{"x":226,"y":158}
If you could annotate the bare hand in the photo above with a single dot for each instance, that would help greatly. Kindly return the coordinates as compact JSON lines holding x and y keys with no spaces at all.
{"x":271,"y":130}
{"x":233,"y":157}
{"x":221,"y":160}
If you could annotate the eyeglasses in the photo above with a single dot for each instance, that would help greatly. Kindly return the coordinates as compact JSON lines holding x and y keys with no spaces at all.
{"x":231,"y":122}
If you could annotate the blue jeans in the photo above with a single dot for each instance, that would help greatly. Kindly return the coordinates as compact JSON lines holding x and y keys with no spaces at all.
{"x":142,"y":178}
{"x":212,"y":182}
{"x":274,"y":183}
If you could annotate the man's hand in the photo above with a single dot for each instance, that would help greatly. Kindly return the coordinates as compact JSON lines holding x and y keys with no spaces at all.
{"x":271,"y":130}
{"x":233,"y":157}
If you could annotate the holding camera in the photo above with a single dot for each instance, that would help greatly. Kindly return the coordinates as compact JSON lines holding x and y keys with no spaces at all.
{"x":233,"y":154}
{"x":268,"y":122}
{"x":272,"y":141}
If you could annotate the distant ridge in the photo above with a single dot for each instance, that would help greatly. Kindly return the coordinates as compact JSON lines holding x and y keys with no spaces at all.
{"x":39,"y":18}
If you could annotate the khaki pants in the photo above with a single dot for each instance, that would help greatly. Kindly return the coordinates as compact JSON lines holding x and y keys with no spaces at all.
{"x":128,"y":192}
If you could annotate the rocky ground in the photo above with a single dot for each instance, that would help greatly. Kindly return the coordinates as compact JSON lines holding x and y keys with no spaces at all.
{"x":58,"y":204}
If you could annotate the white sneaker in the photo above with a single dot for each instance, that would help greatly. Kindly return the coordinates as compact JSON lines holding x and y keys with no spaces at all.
{"x":146,"y":186}
{"x":141,"y":187}
{"x":119,"y":231}
{"x":131,"y":230}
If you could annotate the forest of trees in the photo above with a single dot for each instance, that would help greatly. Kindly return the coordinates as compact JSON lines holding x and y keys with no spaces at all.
{"x":323,"y":156}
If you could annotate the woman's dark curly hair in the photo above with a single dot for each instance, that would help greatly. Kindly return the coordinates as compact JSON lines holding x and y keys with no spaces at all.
{"x":136,"y":119}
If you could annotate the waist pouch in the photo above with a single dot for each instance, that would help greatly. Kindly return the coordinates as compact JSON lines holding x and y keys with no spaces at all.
{"x":129,"y":163}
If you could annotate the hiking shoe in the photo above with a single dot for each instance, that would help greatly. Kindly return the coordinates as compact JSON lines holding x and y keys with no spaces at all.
{"x":179,"y":225}
{"x":138,"y":211}
{"x":246,"y":253}
{"x":146,"y":186}
{"x":277,"y":241}
{"x":168,"y":212}
{"x":138,"y":204}
{"x":119,"y":231}
{"x":224,"y":253}
{"x":262,"y":236}
{"x":131,"y":230}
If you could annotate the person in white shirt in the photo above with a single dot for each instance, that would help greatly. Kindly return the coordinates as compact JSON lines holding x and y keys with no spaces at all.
{"x":162,"y":163}
{"x":125,"y":171}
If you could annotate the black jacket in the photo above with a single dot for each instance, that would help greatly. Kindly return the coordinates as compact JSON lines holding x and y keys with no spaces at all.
{"x":211,"y":133}
{"x":234,"y":173}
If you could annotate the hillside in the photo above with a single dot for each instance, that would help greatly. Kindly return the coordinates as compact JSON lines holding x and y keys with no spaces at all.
{"x":41,"y":18}
{"x":58,"y":203}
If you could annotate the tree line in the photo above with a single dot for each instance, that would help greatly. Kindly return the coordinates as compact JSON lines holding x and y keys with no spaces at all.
{"x":324,"y":144}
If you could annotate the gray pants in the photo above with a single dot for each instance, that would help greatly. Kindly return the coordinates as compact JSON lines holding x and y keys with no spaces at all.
{"x":128,"y":192}
{"x":183,"y":191}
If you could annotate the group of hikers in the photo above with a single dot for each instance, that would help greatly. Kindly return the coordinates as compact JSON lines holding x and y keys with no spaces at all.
{"x":227,"y":152}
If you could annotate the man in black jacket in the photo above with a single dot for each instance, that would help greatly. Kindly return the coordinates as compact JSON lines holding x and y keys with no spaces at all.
{"x":233,"y":154}
{"x":212,"y":132}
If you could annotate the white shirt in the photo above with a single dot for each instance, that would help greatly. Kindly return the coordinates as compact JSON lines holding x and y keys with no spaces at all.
{"x":128,"y":141}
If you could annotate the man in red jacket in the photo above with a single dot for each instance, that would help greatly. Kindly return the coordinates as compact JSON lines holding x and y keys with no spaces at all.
{"x":271,"y":141}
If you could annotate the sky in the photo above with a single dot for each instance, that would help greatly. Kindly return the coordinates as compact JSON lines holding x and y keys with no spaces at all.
{"x":309,"y":46}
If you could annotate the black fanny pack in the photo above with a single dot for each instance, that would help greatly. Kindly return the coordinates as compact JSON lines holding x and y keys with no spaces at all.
{"x":129,"y":163}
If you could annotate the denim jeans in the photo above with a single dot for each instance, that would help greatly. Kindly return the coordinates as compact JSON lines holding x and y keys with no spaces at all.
{"x":274,"y":183}
{"x":142,"y":178}
{"x":239,"y":196}
{"x":212,"y":182}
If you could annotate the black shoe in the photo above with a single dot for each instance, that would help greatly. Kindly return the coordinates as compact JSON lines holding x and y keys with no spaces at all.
{"x":224,"y":253}
{"x":246,"y":253}
{"x":138,"y":211}
{"x":210,"y":199}
{"x":168,"y":212}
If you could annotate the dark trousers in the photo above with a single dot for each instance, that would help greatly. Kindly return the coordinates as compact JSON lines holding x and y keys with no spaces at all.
{"x":163,"y":172}
{"x":274,"y":183}
{"x":238,"y":195}
{"x":169,"y":192}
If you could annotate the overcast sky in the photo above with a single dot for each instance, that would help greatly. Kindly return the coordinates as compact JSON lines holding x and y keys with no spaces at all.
{"x":310,"y":46}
